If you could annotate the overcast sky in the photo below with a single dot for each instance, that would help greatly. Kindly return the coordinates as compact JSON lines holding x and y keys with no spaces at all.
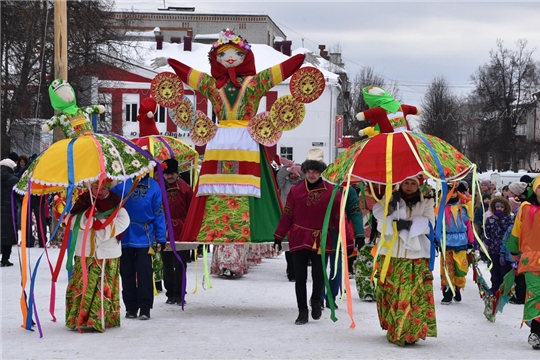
{"x":407,"y":42}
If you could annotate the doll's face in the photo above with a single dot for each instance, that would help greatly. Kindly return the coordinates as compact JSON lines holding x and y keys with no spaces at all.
{"x":231,"y":57}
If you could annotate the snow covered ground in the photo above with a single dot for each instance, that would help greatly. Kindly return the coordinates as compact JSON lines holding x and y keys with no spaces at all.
{"x":253,"y":318}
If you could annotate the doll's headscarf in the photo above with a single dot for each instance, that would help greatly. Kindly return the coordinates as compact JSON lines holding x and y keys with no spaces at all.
{"x":60,"y":104}
{"x":223,"y":74}
{"x":386,"y":101}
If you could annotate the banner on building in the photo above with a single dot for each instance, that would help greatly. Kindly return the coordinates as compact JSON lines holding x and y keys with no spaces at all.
{"x":339,"y":130}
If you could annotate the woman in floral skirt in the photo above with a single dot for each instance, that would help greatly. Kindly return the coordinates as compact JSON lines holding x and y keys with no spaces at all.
{"x":95,"y":305}
{"x":404,"y":293}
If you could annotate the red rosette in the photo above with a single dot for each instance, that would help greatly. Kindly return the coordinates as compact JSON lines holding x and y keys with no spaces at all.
{"x":307,"y":84}
{"x":262,"y":130}
{"x":167,"y":89}
{"x":203,"y":130}
{"x":287,"y":113}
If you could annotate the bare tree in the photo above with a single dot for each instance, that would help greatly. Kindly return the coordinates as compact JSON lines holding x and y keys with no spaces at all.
{"x":504,"y":90}
{"x":440,"y":114}
{"x":95,"y":46}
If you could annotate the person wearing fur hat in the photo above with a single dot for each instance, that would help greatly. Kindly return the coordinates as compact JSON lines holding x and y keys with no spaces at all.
{"x":179,"y":195}
{"x":96,"y":303}
{"x":524,"y":245}
{"x":302,"y":221}
{"x":496,"y":226}
{"x":405,"y":278}
{"x":9,"y":235}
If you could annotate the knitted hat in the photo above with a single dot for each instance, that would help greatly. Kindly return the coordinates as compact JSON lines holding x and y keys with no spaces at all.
{"x":486,"y":182}
{"x":463,"y":186}
{"x":170,"y":166}
{"x":8,"y":162}
{"x":13,"y":156}
{"x":147,"y":124}
{"x":526,"y":179}
{"x":517,"y":188}
{"x":416,"y":179}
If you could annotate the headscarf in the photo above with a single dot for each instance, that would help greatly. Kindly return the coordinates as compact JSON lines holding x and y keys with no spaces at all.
{"x":60,"y":104}
{"x":386,"y":101}
{"x":223,"y":74}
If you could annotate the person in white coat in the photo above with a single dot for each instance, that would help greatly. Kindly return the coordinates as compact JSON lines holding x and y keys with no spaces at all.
{"x":404,"y":292}
{"x":93,"y":291}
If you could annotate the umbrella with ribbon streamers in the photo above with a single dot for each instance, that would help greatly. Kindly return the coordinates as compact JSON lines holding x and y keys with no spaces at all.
{"x":167,"y":147}
{"x":74,"y":162}
{"x":391,"y":158}
{"x":65,"y":166}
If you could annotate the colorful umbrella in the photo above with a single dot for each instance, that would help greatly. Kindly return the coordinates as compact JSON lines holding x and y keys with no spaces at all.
{"x":73,"y":162}
{"x":392,"y":158}
{"x":167,"y":147}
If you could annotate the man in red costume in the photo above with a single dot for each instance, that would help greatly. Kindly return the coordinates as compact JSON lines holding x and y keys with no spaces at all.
{"x":179,"y":196}
{"x":302,"y":220}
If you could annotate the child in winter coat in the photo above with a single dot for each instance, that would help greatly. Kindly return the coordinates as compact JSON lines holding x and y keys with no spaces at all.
{"x":496,"y":226}
{"x":459,"y":240}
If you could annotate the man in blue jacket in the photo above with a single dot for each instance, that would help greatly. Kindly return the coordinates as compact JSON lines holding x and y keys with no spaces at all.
{"x":145,"y":209}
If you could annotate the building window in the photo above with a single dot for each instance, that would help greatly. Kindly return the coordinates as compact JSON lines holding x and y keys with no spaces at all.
{"x":161,"y":115}
{"x":131,"y":112}
{"x":286,"y":152}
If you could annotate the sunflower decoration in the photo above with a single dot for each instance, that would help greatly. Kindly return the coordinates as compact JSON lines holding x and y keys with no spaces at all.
{"x":183,"y":114}
{"x":307,"y":84}
{"x":203,"y":130}
{"x":262,"y":130}
{"x":167,"y":89}
{"x":287,"y":113}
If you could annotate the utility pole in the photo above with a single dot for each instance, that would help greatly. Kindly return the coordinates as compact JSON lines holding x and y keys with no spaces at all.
{"x":60,"y":50}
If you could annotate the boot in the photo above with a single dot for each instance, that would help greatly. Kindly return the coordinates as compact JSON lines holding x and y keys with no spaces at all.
{"x":447,"y":296}
{"x":534,"y":341}
{"x":302,"y":317}
{"x":144,"y":314}
{"x":131,"y":313}
{"x":316,"y":308}
{"x":457,"y":298}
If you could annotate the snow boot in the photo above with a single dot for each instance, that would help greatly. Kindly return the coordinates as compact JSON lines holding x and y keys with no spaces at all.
{"x":302,"y":317}
{"x":534,"y":341}
{"x":144,"y":314}
{"x":457,"y":297}
{"x":316,"y":308}
{"x":447,"y":296}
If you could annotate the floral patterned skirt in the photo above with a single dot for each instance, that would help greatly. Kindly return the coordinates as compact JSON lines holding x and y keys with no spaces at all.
{"x":363,"y":271}
{"x":231,"y":257}
{"x":405,"y":302}
{"x":86,"y":309}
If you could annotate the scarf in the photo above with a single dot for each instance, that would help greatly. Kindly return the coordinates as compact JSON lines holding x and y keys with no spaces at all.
{"x":385,"y":101}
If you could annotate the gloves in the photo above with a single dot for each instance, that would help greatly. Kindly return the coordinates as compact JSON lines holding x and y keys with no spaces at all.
{"x":502,"y":260}
{"x":277,"y":245}
{"x":359,"y":242}
{"x":499,"y":214}
{"x":403,"y":224}
{"x":470,"y":248}
{"x":158,"y":62}
{"x":312,"y":58}
{"x":396,"y":196}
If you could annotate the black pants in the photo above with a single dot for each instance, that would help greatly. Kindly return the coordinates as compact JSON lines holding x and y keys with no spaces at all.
{"x":6,"y":252}
{"x":498,"y":271}
{"x":290,"y":265}
{"x":300,"y":261}
{"x":137,"y":281}
{"x":37,"y":206}
{"x":173,"y":272}
{"x":521,"y":288}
